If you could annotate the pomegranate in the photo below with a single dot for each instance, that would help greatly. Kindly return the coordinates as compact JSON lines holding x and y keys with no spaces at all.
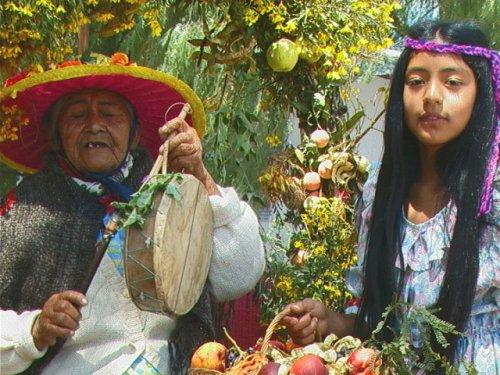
{"x":308,"y":365}
{"x":363,"y":361}
{"x":311,"y":181}
{"x":325,"y":169}
{"x":320,"y":137}
{"x":210,"y":356}
{"x":300,"y":257}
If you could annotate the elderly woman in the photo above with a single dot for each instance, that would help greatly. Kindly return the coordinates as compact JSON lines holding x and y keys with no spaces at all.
{"x":91,"y":134}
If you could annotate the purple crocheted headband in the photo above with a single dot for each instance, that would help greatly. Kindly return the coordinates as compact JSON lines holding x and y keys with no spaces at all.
{"x":494,"y":57}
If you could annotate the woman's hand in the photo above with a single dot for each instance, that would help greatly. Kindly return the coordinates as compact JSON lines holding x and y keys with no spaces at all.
{"x":59,"y":318}
{"x":185,"y":153}
{"x":308,"y":318}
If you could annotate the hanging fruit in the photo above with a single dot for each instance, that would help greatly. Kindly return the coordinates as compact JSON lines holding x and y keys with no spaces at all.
{"x":320,"y":137}
{"x":311,"y":181}
{"x":325,"y":169}
{"x":282,"y":56}
{"x":309,"y":52}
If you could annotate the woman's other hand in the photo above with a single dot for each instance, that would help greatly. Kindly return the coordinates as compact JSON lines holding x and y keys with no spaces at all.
{"x":185,"y":152}
{"x":60,"y":317}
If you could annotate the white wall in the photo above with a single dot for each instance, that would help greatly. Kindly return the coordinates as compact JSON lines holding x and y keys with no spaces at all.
{"x":372,"y":101}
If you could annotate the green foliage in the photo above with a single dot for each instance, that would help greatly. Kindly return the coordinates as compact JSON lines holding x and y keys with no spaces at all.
{"x":400,"y":355}
{"x":8,"y":179}
{"x":44,"y":32}
{"x":235,"y":146}
{"x":134,"y":212}
{"x":485,"y":12}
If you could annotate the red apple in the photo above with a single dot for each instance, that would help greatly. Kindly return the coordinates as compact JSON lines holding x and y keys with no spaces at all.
{"x":270,"y":369}
{"x":363,"y":361}
{"x":210,"y":356}
{"x":308,"y":365}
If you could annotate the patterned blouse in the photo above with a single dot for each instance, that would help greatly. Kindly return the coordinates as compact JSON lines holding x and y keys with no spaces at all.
{"x":424,"y":249}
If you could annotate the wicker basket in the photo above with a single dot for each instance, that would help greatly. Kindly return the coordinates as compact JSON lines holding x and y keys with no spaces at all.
{"x":252,"y":363}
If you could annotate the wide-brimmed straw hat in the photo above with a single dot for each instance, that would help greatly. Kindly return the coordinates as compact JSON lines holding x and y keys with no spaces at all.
{"x":25,"y":98}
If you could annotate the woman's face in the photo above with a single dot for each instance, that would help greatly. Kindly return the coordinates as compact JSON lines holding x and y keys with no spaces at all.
{"x":439,"y":95}
{"x":94,"y":127}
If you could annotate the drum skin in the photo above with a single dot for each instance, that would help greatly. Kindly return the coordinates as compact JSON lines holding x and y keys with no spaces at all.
{"x":167,"y":261}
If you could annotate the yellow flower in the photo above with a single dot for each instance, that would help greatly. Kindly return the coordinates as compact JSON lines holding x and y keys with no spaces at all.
{"x":45,"y":3}
{"x":319,"y":250}
{"x":298,"y":244}
{"x":285,"y":284}
{"x":387,"y":42}
{"x":333,"y":75}
{"x":318,"y":283}
{"x":156,"y":28}
{"x":250,"y":16}
{"x":290,"y":27}
{"x":346,"y":30}
{"x":276,"y":17}
{"x":273,"y":140}
{"x":342,"y":71}
{"x":360,"y":5}
{"x":322,"y":37}
{"x":23,"y":10}
{"x":362,"y":42}
{"x":104,"y":17}
{"x":341,"y":56}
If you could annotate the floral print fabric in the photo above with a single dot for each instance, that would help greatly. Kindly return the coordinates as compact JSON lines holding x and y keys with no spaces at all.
{"x":424,"y":250}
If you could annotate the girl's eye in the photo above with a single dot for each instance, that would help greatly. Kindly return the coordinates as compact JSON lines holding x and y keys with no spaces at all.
{"x":107,"y":114}
{"x":415,"y":81}
{"x":77,"y":115}
{"x":454,"y":82}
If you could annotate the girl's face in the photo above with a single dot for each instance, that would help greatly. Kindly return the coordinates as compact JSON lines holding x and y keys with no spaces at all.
{"x":439,"y":95}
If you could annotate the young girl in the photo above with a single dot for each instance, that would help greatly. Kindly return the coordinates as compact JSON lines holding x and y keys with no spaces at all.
{"x":429,"y":228}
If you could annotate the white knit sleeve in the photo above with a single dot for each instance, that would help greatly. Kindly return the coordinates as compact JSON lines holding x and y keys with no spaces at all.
{"x":238,"y":258}
{"x":17,"y":349}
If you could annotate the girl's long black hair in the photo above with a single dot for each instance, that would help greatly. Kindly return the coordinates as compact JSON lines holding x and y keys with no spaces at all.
{"x":462,"y":168}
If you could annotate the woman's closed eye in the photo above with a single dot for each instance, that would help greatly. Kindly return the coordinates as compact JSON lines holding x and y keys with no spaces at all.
{"x":77,"y":115}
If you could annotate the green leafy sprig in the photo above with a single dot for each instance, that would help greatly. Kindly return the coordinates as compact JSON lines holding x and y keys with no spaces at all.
{"x":401,"y":356}
{"x":134,"y":212}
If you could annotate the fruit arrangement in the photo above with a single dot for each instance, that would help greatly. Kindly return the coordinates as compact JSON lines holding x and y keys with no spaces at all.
{"x":318,"y":182}
{"x":344,"y":356}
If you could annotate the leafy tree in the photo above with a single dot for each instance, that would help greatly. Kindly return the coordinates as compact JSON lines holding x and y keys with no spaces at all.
{"x":486,"y":12}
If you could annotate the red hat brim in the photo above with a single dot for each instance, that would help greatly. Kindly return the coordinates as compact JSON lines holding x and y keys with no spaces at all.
{"x":151,"y":93}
